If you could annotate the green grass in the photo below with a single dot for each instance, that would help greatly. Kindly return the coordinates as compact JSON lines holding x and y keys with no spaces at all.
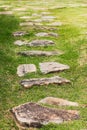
{"x":72,"y":40}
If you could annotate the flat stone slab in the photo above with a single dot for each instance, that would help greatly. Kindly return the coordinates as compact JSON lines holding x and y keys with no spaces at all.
{"x":28,"y":83}
{"x":19,"y":33}
{"x":48,"y":67}
{"x":35,"y":116}
{"x":20,"y":43}
{"x":39,"y":53}
{"x":55,"y":24}
{"x":57,"y":102}
{"x":44,"y":34}
{"x":6,"y":13}
{"x":41,"y":43}
{"x":30,"y":23}
{"x":48,"y":17}
{"x":25,"y":68}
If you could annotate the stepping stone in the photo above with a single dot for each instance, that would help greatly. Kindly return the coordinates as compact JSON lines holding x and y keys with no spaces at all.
{"x":39,"y":53}
{"x":25,"y":68}
{"x":19,"y":9}
{"x":48,"y":17}
{"x":55,"y":24}
{"x":30,"y":24}
{"x":48,"y":67}
{"x":20,"y":43}
{"x":6,"y":13}
{"x":43,"y":34}
{"x":57,"y":102}
{"x":41,"y":43}
{"x":28,"y":83}
{"x":25,"y":17}
{"x":35,"y":116}
{"x":19,"y":33}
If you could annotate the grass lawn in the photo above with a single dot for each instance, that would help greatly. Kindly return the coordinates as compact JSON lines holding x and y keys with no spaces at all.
{"x":72,"y":41}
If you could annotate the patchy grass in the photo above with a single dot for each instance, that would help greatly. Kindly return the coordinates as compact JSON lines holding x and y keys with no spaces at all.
{"x":72,"y":40}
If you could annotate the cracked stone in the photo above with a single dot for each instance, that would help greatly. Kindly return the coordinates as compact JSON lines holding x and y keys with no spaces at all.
{"x":25,"y":68}
{"x":48,"y":67}
{"x":41,"y":43}
{"x":57,"y":102}
{"x":39,"y":53}
{"x":28,"y":83}
{"x":35,"y":116}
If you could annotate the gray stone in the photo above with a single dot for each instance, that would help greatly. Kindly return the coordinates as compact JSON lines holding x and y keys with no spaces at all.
{"x":20,"y":43}
{"x":48,"y":67}
{"x":39,"y":53}
{"x":26,"y":24}
{"x":28,"y":83}
{"x":35,"y":116}
{"x":6,"y":13}
{"x":25,"y":17}
{"x":19,"y":33}
{"x":57,"y":102}
{"x":48,"y":17}
{"x":30,"y":23}
{"x":44,"y":34}
{"x":55,"y":24}
{"x":25,"y":68}
{"x":41,"y":43}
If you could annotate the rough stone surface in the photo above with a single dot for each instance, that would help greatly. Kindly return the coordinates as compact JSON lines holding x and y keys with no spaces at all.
{"x":57,"y":102}
{"x":25,"y":17}
{"x":20,"y":43}
{"x":19,"y":33}
{"x":33,"y":115}
{"x":25,"y":68}
{"x":55,"y":24}
{"x":41,"y":43}
{"x":6,"y":13}
{"x":39,"y":53}
{"x":44,"y":34}
{"x":28,"y":83}
{"x":30,"y":24}
{"x":48,"y":17}
{"x":48,"y":67}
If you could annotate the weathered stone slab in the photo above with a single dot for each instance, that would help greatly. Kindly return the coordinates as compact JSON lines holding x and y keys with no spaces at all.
{"x":48,"y":67}
{"x":55,"y":24}
{"x":44,"y":34}
{"x":33,"y":115}
{"x":19,"y":33}
{"x":41,"y":43}
{"x":48,"y":17}
{"x":25,"y":17}
{"x":39,"y":53}
{"x":20,"y":43}
{"x":6,"y":13}
{"x":30,"y":23}
{"x":28,"y":83}
{"x":20,"y":9}
{"x":25,"y":68}
{"x":57,"y":102}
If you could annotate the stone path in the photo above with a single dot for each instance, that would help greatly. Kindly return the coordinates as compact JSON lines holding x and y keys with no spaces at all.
{"x":48,"y":67}
{"x":44,"y":34}
{"x":28,"y":83}
{"x":32,"y":114}
{"x":25,"y":68}
{"x":57,"y":102}
{"x":39,"y":53}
